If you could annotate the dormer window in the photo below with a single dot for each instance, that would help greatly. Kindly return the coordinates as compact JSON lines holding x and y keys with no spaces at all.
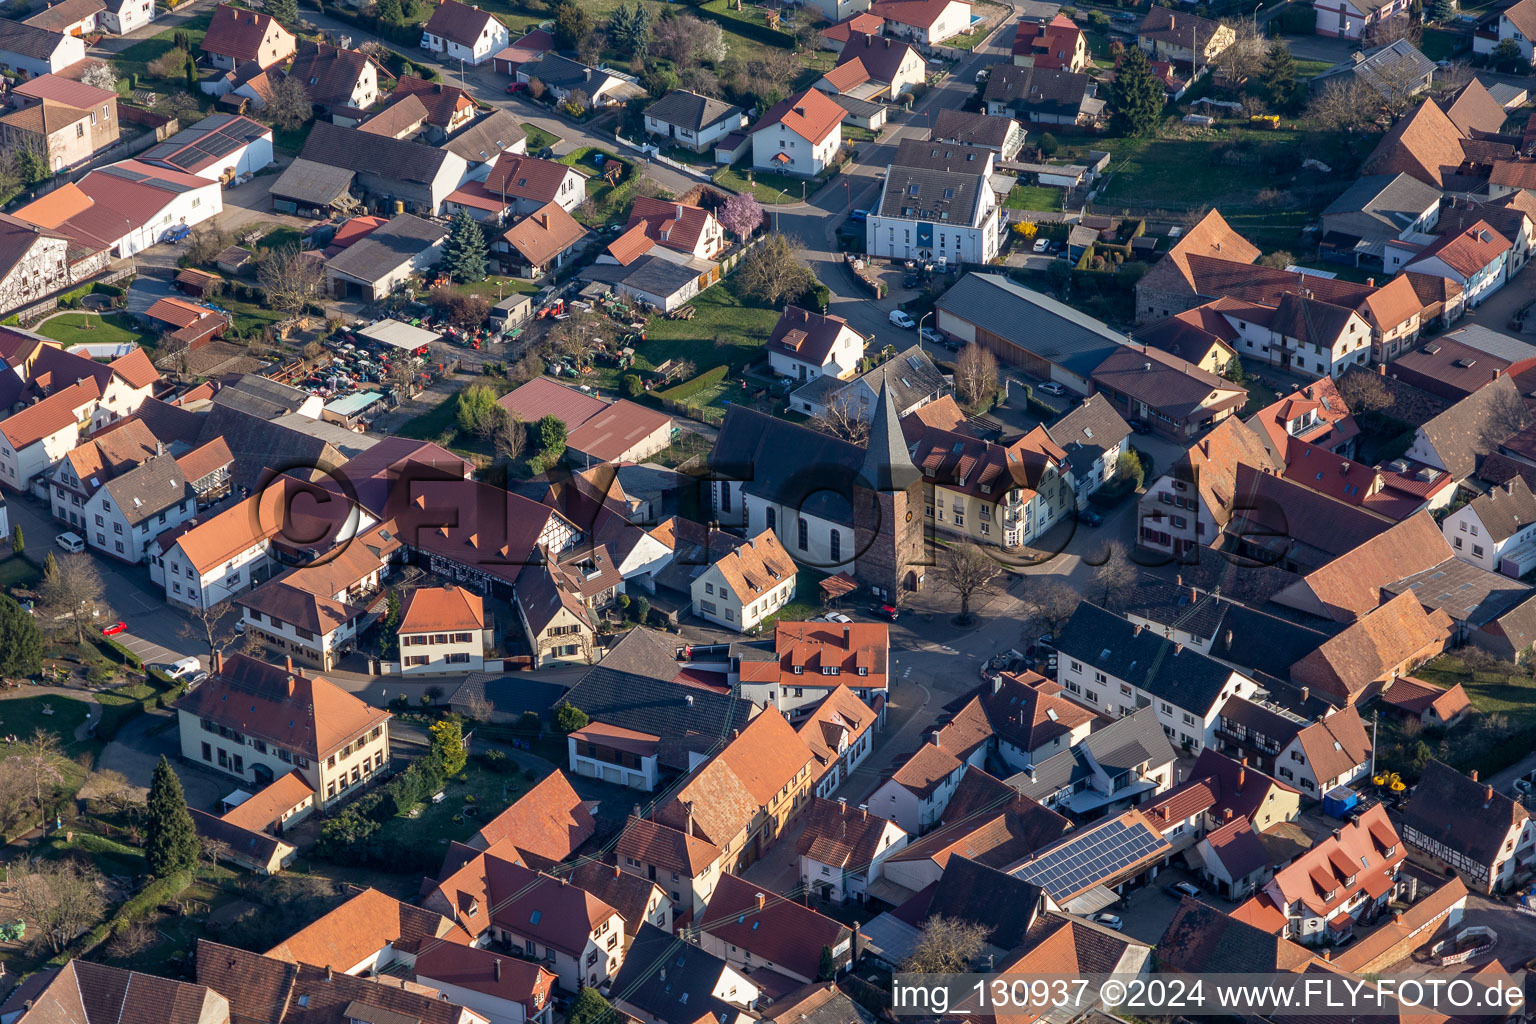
{"x":798,"y":670}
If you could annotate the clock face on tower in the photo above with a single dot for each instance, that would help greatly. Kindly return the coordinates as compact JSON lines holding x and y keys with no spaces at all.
{"x":909,"y":515}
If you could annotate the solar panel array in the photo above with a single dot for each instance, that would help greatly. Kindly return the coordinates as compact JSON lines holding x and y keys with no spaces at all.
{"x":1089,"y":859}
{"x":207,"y":144}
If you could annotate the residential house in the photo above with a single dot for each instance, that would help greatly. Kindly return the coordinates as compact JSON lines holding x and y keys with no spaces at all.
{"x":693,"y":121}
{"x":518,"y":184}
{"x":748,"y":584}
{"x":851,"y":655}
{"x":1177,"y":398}
{"x":1117,"y":667}
{"x":125,"y":207}
{"x":1181,"y":37}
{"x":125,"y":513}
{"x":541,"y":242}
{"x":1396,"y":70}
{"x":1453,"y":822}
{"x":1042,"y":95}
{"x":1344,"y":878}
{"x":874,"y":68}
{"x":1355,"y":582}
{"x":916,"y":795}
{"x":562,"y":77}
{"x":1190,"y":505}
{"x":1066,"y":870}
{"x":556,"y":612}
{"x":693,"y":982}
{"x":40,"y":262}
{"x":576,"y":935}
{"x":259,"y":722}
{"x":685,"y":866}
{"x":385,"y":259}
{"x":545,"y":825}
{"x":840,"y":731}
{"x":937,"y":203}
{"x":1457,"y":439}
{"x":1477,"y":258}
{"x":991,"y":493}
{"x":448,"y":107}
{"x":640,"y":901}
{"x":461,"y":32}
{"x":336,"y":77}
{"x":499,"y":987}
{"x":1003,"y":135}
{"x":33,"y":440}
{"x":1093,"y":436}
{"x":31,"y":50}
{"x":806,"y":345}
{"x":1512,"y":215}
{"x":236,"y":35}
{"x":741,"y":799}
{"x":1234,"y":859}
{"x":910,"y":375}
{"x":367,"y":933}
{"x":1428,"y":145}
{"x":64,"y":122}
{"x":1411,"y":697}
{"x":1028,"y":329}
{"x":1517,"y":22}
{"x":688,"y":229}
{"x":1355,"y":19}
{"x":1201,"y":336}
{"x":1217,"y":790}
{"x":744,"y":927}
{"x":1313,"y":756}
{"x":485,"y":137}
{"x":123,"y":16}
{"x":1494,"y":525}
{"x":1375,"y":210}
{"x":928,"y":22}
{"x":834,"y":36}
{"x":799,"y":135}
{"x":1055,"y":45}
{"x":442,"y":629}
{"x":1450,"y":369}
{"x":841,"y":851}
{"x":81,"y":992}
{"x":264,"y":988}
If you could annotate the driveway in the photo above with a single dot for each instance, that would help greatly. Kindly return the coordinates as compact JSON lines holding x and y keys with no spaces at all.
{"x":1321,"y":48}
{"x":138,"y":747}
{"x":1496,"y":311}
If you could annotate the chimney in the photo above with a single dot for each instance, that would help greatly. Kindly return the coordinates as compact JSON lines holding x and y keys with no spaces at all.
{"x":1382,"y":369}
{"x":218,"y":662}
{"x":1397,"y":917}
{"x":933,"y":738}
{"x":1226,"y":814}
{"x":1242,"y":776}
{"x":1488,"y":796}
{"x":1338,"y":834}
{"x":842,"y":805}
{"x":564,"y":881}
{"x":1194,"y":595}
{"x":1327,"y":953}
{"x":863,"y":812}
{"x":1472,"y":775}
{"x":327,"y":972}
{"x":759,"y":901}
{"x":615,"y":871}
{"x":288,"y":663}
{"x":1370,"y":282}
{"x":1495,"y":375}
{"x":688,"y":809}
{"x":496,"y":968}
{"x":1306,"y":691}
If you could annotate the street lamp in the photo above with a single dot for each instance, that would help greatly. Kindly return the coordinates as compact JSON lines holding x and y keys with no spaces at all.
{"x":920,"y":320}
{"x":776,"y":209}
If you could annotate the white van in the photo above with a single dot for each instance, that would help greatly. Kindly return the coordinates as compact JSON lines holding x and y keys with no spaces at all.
{"x":184,"y":667}
{"x":70,"y":542}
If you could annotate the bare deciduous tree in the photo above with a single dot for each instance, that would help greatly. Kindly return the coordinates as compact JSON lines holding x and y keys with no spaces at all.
{"x":843,"y":420}
{"x":113,"y":789}
{"x":1389,"y":30}
{"x":1244,"y":56}
{"x":511,"y":439}
{"x":968,"y":571}
{"x":975,"y":376}
{"x":772,"y":273}
{"x":60,"y":900}
{"x":289,"y":104}
{"x":214,"y":850}
{"x":1364,"y":391}
{"x":41,"y":760}
{"x":1049,"y":603}
{"x":72,"y":590}
{"x":292,"y":278}
{"x":1116,"y":574}
{"x":212,"y":625}
{"x":15,"y":796}
{"x":1398,"y":83}
{"x":947,"y":945}
{"x":1345,"y":106}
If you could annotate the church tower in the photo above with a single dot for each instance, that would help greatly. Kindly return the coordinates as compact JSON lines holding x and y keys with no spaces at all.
{"x":888,"y":508}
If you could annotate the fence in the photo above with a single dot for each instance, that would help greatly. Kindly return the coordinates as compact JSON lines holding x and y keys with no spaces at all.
{"x":51,"y":303}
{"x":650,"y":152}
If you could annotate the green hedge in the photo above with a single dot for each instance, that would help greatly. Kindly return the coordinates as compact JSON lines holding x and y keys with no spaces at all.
{"x":135,"y":910}
{"x":118,"y":653}
{"x":686,"y":390}
{"x":719,"y":10}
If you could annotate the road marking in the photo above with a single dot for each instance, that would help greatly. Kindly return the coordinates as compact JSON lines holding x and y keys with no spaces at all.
{"x":907,"y":673}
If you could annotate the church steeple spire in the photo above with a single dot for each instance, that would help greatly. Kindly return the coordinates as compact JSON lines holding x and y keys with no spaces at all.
{"x":887,"y":464}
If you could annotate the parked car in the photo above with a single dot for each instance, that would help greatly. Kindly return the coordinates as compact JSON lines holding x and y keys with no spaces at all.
{"x":981,"y":76}
{"x":114,"y":629}
{"x":1140,"y":426}
{"x":884,"y":611}
{"x":1109,"y":921}
{"x":931,"y":335}
{"x":900,"y":319}
{"x":513,"y":87}
{"x":859,"y":216}
{"x":1088,"y":517}
{"x":1050,"y":387}
{"x":196,"y":677}
{"x":1181,"y":889}
{"x":837,"y":617}
{"x":1042,"y":245}
{"x":70,"y":541}
{"x":1123,"y":16}
{"x":180,"y":669}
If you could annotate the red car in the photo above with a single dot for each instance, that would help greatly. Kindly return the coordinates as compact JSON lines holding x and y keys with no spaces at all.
{"x":516,"y":87}
{"x":114,"y":629}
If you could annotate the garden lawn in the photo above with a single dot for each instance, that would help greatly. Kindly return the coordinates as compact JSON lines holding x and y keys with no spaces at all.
{"x":1438,"y":44}
{"x":492,"y":286}
{"x":147,"y":50}
{"x":24,"y":715}
{"x":723,"y":330}
{"x":1034,"y":197}
{"x":16,"y":571}
{"x":80,"y":328}
{"x":538,"y":138}
{"x":492,"y":791}
{"x":769,"y":188}
{"x":1489,"y":692}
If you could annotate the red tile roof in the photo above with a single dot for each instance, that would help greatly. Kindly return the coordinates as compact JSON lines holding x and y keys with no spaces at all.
{"x":542,"y":397}
{"x":50,"y":416}
{"x":238,"y":33}
{"x":1358,"y":853}
{"x":444,"y":103}
{"x":432,"y":609}
{"x":308,"y":715}
{"x":364,"y":925}
{"x":489,"y":973}
{"x":666,"y":848}
{"x":811,"y":115}
{"x":1467,"y":252}
{"x":631,"y":245}
{"x":271,"y":802}
{"x":862,"y":22}
{"x":676,"y":225}
{"x":616,"y":429}
{"x":856,"y":653}
{"x":526,"y":177}
{"x":544,"y":234}
{"x":1350,"y":585}
{"x":548,"y":823}
{"x":1415,"y":696}
{"x":917,"y":13}
{"x":1400,"y":632}
{"x":769,"y":926}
